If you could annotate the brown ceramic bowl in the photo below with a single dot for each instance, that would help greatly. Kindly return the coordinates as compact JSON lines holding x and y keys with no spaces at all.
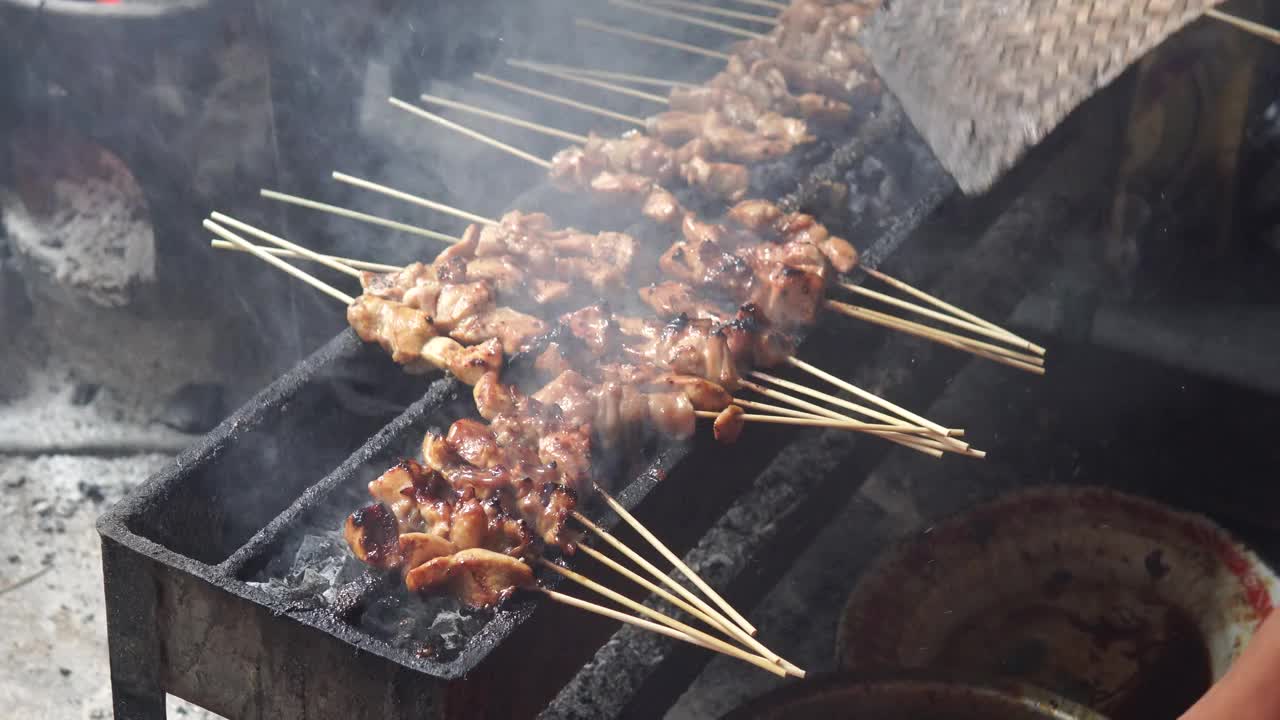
{"x":908,"y":698}
{"x":1115,"y":602}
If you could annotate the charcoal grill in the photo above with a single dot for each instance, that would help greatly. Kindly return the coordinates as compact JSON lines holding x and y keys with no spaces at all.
{"x":189,"y":556}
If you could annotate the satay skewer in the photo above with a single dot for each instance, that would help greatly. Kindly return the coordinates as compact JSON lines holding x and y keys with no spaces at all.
{"x":771,"y":4}
{"x":723,"y":622}
{"x":651,"y":39}
{"x":645,"y":625}
{"x":939,"y":316}
{"x":508,"y":119}
{"x":940,"y":303}
{"x":718,"y":11}
{"x":848,"y":424}
{"x":1249,"y":26}
{"x":685,"y":18}
{"x":675,"y":560}
{"x":612,"y":75}
{"x":305,"y":277}
{"x":865,"y":395}
{"x":281,"y":252}
{"x":410,"y":198}
{"x":711,"y":641}
{"x":352,"y":214}
{"x":840,"y":402}
{"x":552,"y":97}
{"x":925,"y":332}
{"x":591,"y":82}
{"x":479,"y":137}
{"x":503,"y":117}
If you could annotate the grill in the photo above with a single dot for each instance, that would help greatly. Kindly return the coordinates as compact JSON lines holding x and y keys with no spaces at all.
{"x":205,"y":601}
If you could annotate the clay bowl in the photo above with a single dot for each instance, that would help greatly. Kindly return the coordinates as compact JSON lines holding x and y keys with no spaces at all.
{"x":908,"y":698}
{"x":1118,"y":603}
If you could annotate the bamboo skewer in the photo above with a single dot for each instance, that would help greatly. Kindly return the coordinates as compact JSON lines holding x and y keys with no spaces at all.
{"x":481,"y":137}
{"x":281,"y":242}
{"x":504,"y":118}
{"x":846,"y":424}
{"x":675,"y":560}
{"x":775,"y":409}
{"x":610,"y":75}
{"x":649,"y":585}
{"x":551,"y":97}
{"x":937,"y":302}
{"x":926,"y":445}
{"x":869,"y":397}
{"x":572,"y":77}
{"x":280,"y":252}
{"x":771,"y":4}
{"x":942,"y":317}
{"x":855,"y":407}
{"x":721,"y":12}
{"x":249,"y":247}
{"x":407,"y":197}
{"x":684,"y":18}
{"x":721,"y":620}
{"x":1249,"y":26}
{"x":645,"y":625}
{"x":352,"y":214}
{"x":955,"y":342}
{"x":710,"y":641}
{"x":651,"y":39}
{"x":897,"y":323}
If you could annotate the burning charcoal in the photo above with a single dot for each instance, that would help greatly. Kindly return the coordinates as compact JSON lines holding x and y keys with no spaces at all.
{"x":195,"y":408}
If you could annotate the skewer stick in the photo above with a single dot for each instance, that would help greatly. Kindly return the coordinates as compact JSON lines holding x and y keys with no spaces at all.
{"x":653,"y":588}
{"x":841,"y":402}
{"x":956,"y":342}
{"x":504,"y":118}
{"x":771,"y":4}
{"x":775,"y":409}
{"x":936,"y":302}
{"x":1248,"y":26}
{"x":709,"y":640}
{"x":610,"y":75}
{"x":684,"y":18}
{"x":478,"y":136}
{"x":823,"y":422}
{"x":651,"y":39}
{"x":869,"y":397}
{"x":676,"y":561}
{"x":660,"y":576}
{"x":307,"y":278}
{"x":716,"y":621}
{"x":722,"y":12}
{"x":551,"y":97}
{"x":942,"y":317}
{"x":352,"y":214}
{"x":928,"y":446}
{"x":572,"y":77}
{"x":402,"y":195}
{"x":645,"y":625}
{"x":806,"y":390}
{"x":915,"y":328}
{"x":281,"y":242}
{"x":281,"y":252}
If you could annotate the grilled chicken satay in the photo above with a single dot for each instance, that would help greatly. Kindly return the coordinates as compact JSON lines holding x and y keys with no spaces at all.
{"x":636,"y":168}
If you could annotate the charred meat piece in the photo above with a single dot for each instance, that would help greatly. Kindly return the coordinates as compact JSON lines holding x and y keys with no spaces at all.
{"x":467,"y":364}
{"x":457,"y":301}
{"x":570,"y":451}
{"x":728,"y":425}
{"x":417,"y":548}
{"x":373,"y":534}
{"x":479,"y":578}
{"x":672,"y":413}
{"x":702,"y":393}
{"x":472,"y":441}
{"x":696,"y":347}
{"x":394,"y":489}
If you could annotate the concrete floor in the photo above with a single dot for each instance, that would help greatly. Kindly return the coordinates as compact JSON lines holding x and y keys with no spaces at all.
{"x":53,"y":659}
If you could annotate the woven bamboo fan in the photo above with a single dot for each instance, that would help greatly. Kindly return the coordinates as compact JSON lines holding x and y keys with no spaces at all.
{"x":985,"y":80}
